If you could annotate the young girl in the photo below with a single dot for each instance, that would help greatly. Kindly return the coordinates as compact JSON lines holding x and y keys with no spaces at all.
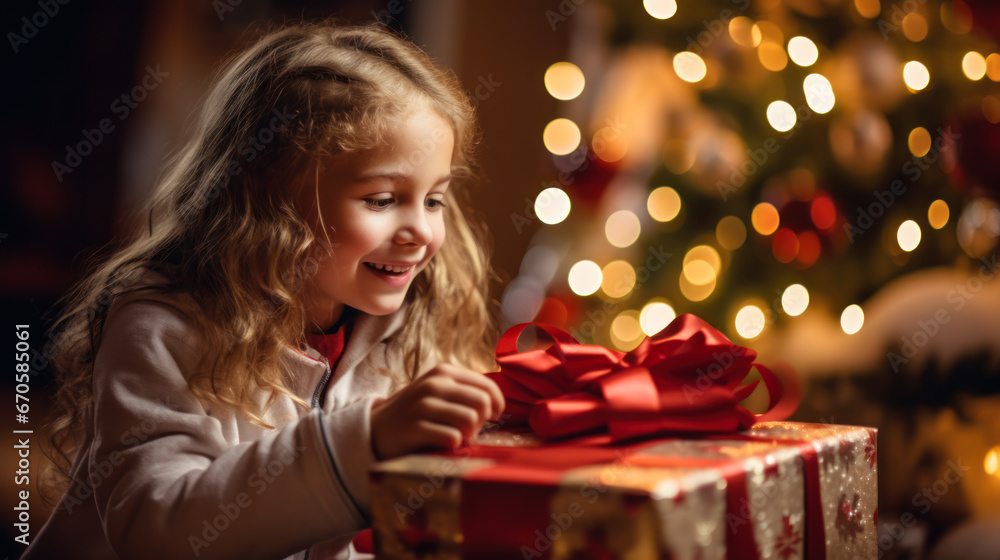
{"x":289,"y":313}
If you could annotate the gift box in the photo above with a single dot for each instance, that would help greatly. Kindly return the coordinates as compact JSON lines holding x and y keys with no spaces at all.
{"x":779,"y":490}
{"x":648,"y":454}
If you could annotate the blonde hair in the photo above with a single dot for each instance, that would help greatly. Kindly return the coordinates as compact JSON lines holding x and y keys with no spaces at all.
{"x":222,"y":225}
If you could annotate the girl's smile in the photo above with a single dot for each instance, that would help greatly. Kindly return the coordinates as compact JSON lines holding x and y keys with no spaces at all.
{"x":394,"y":275}
{"x":384,"y":212}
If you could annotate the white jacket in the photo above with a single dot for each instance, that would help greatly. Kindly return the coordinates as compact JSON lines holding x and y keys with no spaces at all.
{"x":161,"y":477}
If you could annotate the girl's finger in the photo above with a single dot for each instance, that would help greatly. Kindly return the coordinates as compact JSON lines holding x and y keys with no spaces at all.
{"x":464,"y":397}
{"x":484,"y":383}
{"x":435,"y":435}
{"x":467,"y":420}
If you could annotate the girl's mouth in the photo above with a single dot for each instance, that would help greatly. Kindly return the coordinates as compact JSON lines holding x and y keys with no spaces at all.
{"x":395,"y":276}
{"x":387,"y":269}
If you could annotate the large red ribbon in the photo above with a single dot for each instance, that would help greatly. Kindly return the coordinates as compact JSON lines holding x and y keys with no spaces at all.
{"x":686,"y":378}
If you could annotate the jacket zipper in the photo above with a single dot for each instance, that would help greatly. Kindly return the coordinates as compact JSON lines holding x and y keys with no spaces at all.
{"x":315,"y":404}
{"x":322,"y":383}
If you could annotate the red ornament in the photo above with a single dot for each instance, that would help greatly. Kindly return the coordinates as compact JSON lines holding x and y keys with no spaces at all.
{"x":849,"y":522}
{"x":552,"y":311}
{"x":809,"y":248}
{"x":785,"y":245}
{"x":787,"y":543}
{"x":823,"y":212}
{"x":871,"y":449}
{"x":968,"y":146}
{"x":985,"y":16}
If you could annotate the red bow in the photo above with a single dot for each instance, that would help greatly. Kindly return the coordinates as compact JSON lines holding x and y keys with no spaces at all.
{"x":686,"y":378}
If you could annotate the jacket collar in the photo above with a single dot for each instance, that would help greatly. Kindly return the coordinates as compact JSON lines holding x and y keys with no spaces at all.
{"x":367,"y":332}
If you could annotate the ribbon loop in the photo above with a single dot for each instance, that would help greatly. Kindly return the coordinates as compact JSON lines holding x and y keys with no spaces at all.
{"x":686,"y":378}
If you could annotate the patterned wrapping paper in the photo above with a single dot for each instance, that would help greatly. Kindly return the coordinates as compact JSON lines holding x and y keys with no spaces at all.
{"x":779,"y":490}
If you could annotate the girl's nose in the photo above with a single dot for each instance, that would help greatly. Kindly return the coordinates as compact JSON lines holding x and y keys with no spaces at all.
{"x":415,"y":228}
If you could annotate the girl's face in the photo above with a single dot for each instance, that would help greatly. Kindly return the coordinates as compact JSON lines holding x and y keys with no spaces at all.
{"x":381,"y":208}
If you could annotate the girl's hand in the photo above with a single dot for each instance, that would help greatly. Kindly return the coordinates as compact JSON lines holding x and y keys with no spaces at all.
{"x":438,"y":410}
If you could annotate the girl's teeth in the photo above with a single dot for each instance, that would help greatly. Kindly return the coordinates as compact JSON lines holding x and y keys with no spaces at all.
{"x":387,"y":268}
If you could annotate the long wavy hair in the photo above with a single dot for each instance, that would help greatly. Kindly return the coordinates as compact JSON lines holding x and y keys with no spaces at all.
{"x":223,"y":228}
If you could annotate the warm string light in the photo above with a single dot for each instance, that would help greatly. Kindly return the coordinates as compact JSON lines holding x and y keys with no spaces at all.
{"x":618,"y":279}
{"x":908,"y":235}
{"x":696,"y":292}
{"x":749,"y":321}
{"x":795,"y":300}
{"x":552,"y":205}
{"x":993,"y":67}
{"x":663,"y":204}
{"x":868,"y":8}
{"x":561,"y":136}
{"x":585,"y":278}
{"x":772,"y":56}
{"x":741,"y":31}
{"x":702,"y":265}
{"x":626,"y":331}
{"x":919,"y":141}
{"x":731,"y":233}
{"x":689,"y":67}
{"x":781,"y":115}
{"x":660,"y":9}
{"x":916,"y":76}
{"x":564,"y":80}
{"x":991,"y":462}
{"x":656,"y":315}
{"x":764,"y":218}
{"x":938,"y":214}
{"x":852,"y":319}
{"x":802,"y":51}
{"x":974,"y":66}
{"x":914,"y":27}
{"x":819,"y":94}
{"x":622,"y":228}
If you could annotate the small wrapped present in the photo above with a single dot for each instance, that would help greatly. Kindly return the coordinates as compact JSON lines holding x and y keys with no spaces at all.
{"x":605,"y":455}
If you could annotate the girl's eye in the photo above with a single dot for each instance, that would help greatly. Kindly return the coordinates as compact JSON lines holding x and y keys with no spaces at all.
{"x":435,"y":204}
{"x":378,"y":203}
